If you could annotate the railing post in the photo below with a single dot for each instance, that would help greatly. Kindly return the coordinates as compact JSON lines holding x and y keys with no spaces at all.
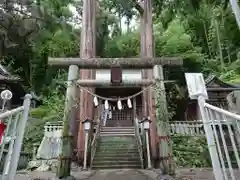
{"x":197,"y":90}
{"x":217,"y":170}
{"x":94,"y":141}
{"x":10,"y":149}
{"x":19,"y":138}
{"x":139,"y":141}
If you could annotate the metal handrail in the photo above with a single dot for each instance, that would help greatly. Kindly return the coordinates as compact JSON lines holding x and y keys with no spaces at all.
{"x":139,"y":141}
{"x":222,"y":111}
{"x":94,"y":142}
{"x":9,"y":115}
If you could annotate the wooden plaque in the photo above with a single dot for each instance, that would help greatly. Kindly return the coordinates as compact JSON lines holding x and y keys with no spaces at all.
{"x":116,"y":75}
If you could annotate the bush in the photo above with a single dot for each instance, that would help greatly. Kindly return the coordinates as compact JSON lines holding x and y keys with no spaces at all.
{"x":50,"y":111}
{"x":191,"y":151}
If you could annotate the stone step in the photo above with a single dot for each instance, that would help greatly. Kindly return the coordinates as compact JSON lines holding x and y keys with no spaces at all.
{"x":129,"y":142}
{"x":106,"y":149}
{"x":116,"y":158}
{"x":118,"y":145}
{"x":117,"y":148}
{"x":118,"y":139}
{"x":116,"y":162}
{"x":123,"y":127}
{"x":116,"y":134}
{"x":117,"y":153}
{"x":112,"y":134}
{"x":114,"y":153}
{"x":117,"y":130}
{"x":120,"y":127}
{"x":122,"y":166}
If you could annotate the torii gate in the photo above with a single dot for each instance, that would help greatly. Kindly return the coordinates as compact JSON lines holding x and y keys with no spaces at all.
{"x":87,"y":61}
{"x":106,"y":63}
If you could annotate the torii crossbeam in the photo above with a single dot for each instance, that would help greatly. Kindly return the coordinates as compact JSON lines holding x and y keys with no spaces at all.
{"x":107,"y":63}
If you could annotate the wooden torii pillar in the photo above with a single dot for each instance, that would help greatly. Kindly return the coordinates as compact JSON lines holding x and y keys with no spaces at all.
{"x":87,"y":50}
{"x":147,"y":51}
{"x":149,"y":96}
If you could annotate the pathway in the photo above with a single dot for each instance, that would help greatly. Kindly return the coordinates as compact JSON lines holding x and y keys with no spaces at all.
{"x":123,"y":174}
{"x":120,"y":175}
{"x":126,"y":174}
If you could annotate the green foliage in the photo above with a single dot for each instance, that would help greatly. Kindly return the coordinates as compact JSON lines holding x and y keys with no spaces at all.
{"x":127,"y":45}
{"x":51,"y":111}
{"x":31,"y":34}
{"x":190,"y":151}
{"x":174,"y":39}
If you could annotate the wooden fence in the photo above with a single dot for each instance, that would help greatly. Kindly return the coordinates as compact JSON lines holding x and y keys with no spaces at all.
{"x":188,"y":128}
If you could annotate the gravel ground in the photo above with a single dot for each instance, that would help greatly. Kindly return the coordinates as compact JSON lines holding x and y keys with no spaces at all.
{"x":83,"y":175}
{"x":125,"y":174}
{"x":202,"y":174}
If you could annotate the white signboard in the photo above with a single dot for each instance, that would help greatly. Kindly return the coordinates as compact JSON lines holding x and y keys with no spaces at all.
{"x":196,"y":85}
{"x":105,"y":74}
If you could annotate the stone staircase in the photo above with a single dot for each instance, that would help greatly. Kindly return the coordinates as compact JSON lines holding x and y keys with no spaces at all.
{"x":117,"y":149}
